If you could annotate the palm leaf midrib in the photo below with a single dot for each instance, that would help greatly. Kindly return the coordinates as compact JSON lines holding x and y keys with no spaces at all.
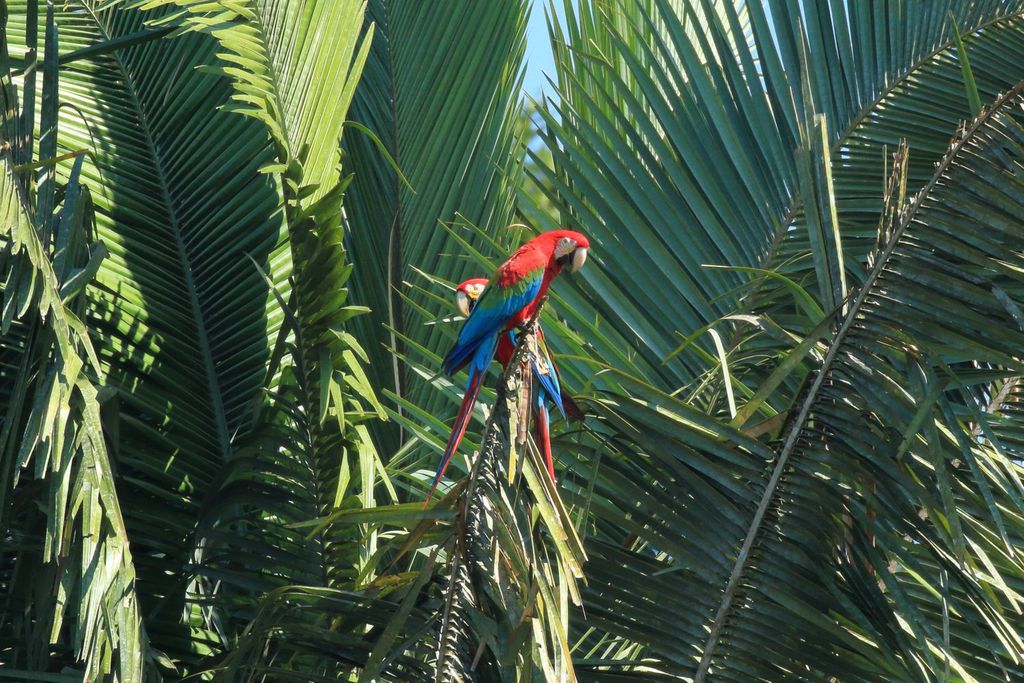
{"x":394,"y":255}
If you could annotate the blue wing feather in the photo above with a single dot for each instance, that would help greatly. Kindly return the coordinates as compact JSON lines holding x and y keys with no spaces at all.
{"x":549,"y":382}
{"x":490,"y":315}
{"x":552,"y":391}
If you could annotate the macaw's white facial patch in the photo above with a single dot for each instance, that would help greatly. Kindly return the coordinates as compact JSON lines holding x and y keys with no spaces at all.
{"x":563,"y":247}
{"x":474,"y":291}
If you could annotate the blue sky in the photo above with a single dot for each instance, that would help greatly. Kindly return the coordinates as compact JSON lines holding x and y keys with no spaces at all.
{"x":538,"y":50}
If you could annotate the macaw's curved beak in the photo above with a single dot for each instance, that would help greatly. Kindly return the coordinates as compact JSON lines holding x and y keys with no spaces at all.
{"x":579,"y":257}
{"x":462,"y":301}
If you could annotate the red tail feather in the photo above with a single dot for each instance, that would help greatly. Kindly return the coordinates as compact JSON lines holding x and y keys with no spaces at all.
{"x":458,"y":430}
{"x":540,"y":420}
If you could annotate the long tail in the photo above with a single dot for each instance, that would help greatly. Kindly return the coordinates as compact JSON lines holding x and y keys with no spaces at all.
{"x":540,"y":422}
{"x":477,"y":371}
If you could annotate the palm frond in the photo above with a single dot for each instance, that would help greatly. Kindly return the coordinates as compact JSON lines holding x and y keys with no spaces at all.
{"x":188,"y":323}
{"x":311,"y":453}
{"x":68,"y":575}
{"x":295,"y":78}
{"x":879,"y":524}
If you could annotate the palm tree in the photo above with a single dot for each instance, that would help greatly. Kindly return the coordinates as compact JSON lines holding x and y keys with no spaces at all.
{"x":797,"y":342}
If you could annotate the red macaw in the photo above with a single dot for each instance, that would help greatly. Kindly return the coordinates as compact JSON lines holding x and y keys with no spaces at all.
{"x":544,"y":371}
{"x":511,"y":298}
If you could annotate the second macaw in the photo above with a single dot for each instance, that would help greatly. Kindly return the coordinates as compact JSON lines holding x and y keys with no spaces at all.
{"x":544,"y":371}
{"x":509,"y":300}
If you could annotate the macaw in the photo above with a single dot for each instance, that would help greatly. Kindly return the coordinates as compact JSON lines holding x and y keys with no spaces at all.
{"x":544,"y":371}
{"x":509,"y":300}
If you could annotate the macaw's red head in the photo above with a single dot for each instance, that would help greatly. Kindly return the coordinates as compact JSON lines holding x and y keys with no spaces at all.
{"x":468,"y":292}
{"x":569,"y":248}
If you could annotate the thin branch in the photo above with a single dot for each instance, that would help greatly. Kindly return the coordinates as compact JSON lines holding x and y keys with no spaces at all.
{"x":473,"y":536}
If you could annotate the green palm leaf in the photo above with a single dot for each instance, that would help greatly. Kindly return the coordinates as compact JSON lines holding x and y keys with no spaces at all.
{"x":68,"y":575}
{"x":922,"y":109}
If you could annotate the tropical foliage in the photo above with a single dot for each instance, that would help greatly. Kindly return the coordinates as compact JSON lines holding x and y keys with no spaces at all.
{"x":229,"y":236}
